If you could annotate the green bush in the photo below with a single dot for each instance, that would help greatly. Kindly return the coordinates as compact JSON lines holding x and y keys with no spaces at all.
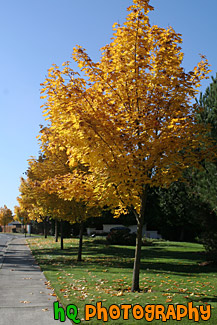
{"x":121,"y":236}
{"x":209,"y":240}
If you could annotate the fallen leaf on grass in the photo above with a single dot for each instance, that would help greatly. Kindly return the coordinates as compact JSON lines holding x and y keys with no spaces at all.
{"x":205,"y":263}
{"x":147,"y":289}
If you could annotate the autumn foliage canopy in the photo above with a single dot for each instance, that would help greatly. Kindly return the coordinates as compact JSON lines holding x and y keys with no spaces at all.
{"x":128,"y":119}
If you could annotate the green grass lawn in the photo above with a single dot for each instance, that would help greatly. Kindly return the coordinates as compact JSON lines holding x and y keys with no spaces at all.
{"x":170,"y":274}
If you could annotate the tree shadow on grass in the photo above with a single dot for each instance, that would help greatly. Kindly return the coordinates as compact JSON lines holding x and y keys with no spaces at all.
{"x":152,"y":252}
{"x":154,"y":259}
{"x":203,"y":300}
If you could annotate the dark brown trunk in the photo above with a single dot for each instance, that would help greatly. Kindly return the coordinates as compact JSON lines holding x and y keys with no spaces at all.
{"x":80,"y":241}
{"x":140,"y":222}
{"x":182,"y":233}
{"x":56,"y":230}
{"x":61,"y":234}
{"x":45,"y":228}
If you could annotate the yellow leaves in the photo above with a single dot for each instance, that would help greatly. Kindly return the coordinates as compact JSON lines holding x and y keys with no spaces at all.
{"x":5,"y":215}
{"x":80,"y":65}
{"x":127,"y":120}
{"x":200,"y":72}
{"x":66,"y":63}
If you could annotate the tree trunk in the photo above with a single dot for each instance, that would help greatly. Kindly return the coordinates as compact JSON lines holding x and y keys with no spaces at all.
{"x":80,"y":241}
{"x":140,"y":222}
{"x":56,"y":230}
{"x":45,"y":227}
{"x":61,"y":231}
{"x":182,"y":234}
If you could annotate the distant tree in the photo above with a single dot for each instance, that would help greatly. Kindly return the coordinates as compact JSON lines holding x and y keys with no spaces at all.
{"x":208,"y":108}
{"x":6,"y":216}
{"x":204,"y":181}
{"x":21,"y":215}
{"x":179,"y":212}
{"x":42,"y":191}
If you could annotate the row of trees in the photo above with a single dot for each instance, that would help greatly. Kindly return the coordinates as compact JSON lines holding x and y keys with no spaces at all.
{"x":7,"y":216}
{"x":118,"y":128}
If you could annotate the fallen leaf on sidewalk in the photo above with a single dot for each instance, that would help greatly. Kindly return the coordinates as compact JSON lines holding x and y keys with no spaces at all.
{"x":45,"y":309}
{"x":25,"y":302}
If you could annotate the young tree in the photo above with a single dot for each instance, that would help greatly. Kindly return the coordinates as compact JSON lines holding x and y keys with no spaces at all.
{"x":35,"y":201}
{"x":6,"y":216}
{"x":21,"y":215}
{"x":130,"y":119}
{"x":47,"y":177}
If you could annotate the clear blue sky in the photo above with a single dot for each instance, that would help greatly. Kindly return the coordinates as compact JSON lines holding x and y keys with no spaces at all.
{"x":35,"y":34}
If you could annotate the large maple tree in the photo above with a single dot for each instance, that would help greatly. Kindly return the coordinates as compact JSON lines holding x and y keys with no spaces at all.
{"x":129,"y":117}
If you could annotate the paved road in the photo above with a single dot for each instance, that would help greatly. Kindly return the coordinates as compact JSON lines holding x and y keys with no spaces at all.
{"x":4,"y":240}
{"x":25,"y":298}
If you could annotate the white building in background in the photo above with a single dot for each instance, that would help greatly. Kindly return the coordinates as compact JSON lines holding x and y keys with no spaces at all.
{"x":107,"y":227}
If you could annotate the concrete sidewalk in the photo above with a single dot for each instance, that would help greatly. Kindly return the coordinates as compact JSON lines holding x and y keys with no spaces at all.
{"x":24,"y":296}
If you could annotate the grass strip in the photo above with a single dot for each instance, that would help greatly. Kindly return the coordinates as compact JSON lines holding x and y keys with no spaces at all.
{"x":171,"y":273}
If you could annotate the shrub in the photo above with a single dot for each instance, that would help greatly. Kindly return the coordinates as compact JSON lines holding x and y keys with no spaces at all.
{"x":147,"y":241}
{"x":121,"y":236}
{"x":209,"y":240}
